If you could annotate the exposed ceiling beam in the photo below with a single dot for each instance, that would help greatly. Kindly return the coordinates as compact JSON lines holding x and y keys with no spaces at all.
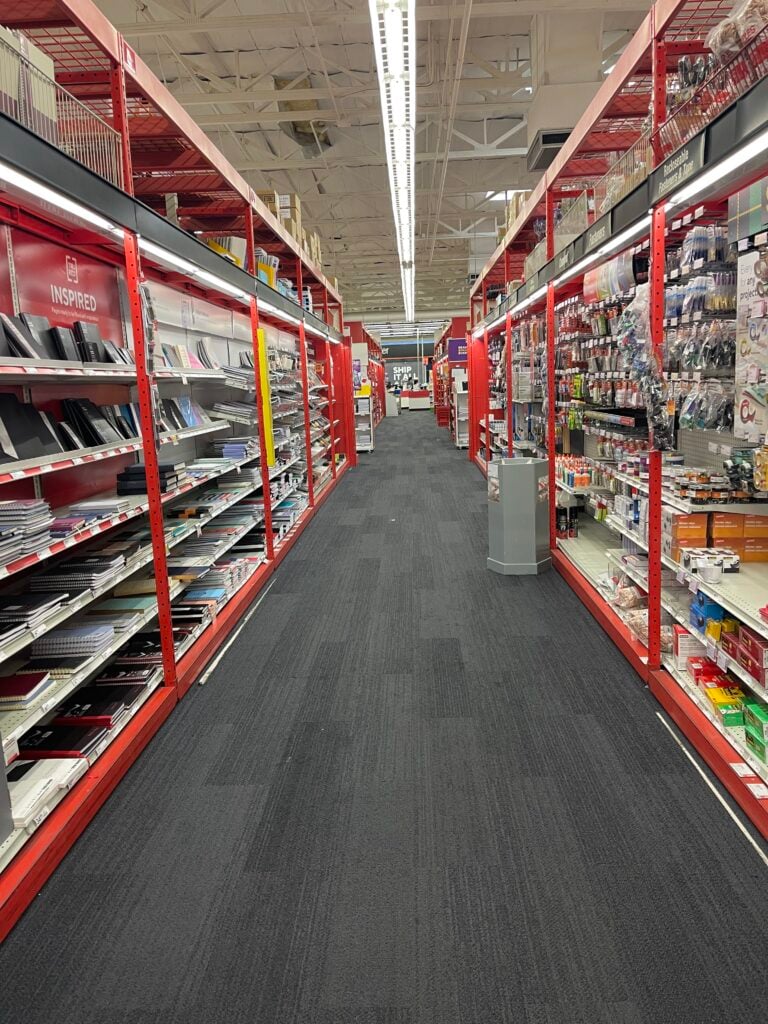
{"x":298,"y":19}
{"x":503,"y":81}
{"x":347,"y":117}
{"x":268,"y":165}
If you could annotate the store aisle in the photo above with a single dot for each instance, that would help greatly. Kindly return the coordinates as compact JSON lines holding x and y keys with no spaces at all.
{"x":412,"y":792}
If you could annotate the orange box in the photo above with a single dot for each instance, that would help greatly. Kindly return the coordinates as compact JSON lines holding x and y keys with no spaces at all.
{"x":725,"y":525}
{"x":690,"y":527}
{"x":755,"y":526}
{"x":755,"y":549}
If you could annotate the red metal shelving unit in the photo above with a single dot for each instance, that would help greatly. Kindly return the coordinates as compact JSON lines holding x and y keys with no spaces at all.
{"x":609,"y":166}
{"x":72,"y":202}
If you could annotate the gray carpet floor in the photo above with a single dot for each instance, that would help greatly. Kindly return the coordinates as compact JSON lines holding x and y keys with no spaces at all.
{"x":413,"y":792}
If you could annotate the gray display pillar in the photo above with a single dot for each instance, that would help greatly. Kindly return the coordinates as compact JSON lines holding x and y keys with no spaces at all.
{"x":518,"y":517}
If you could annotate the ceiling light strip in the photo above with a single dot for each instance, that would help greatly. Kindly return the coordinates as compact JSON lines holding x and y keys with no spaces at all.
{"x":394,"y":41}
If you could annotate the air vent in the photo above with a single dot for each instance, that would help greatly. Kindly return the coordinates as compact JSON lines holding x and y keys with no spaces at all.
{"x":545,"y":145}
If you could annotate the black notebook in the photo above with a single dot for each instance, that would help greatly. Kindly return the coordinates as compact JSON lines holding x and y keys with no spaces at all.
{"x":89,"y":342}
{"x":24,"y":432}
{"x":20,"y":340}
{"x":64,"y":341}
{"x":89,"y":421}
{"x":39,"y":329}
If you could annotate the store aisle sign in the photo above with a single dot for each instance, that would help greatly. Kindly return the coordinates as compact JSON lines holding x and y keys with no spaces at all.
{"x":457,"y":350}
{"x":677,"y":169}
{"x":66,"y":286}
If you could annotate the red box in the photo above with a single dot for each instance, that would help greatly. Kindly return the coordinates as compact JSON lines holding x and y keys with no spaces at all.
{"x":751,"y":666}
{"x":730,"y":644}
{"x":755,"y":646}
{"x":699,"y":666}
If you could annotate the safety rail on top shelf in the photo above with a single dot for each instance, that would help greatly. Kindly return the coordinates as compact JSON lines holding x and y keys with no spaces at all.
{"x":40,"y":104}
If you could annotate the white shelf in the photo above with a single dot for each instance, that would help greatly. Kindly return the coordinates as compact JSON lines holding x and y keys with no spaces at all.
{"x":580,"y":491}
{"x":587,"y":551}
{"x":143,"y":557}
{"x":13,"y":724}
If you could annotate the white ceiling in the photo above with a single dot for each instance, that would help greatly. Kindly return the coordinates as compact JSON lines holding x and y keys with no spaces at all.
{"x":223,"y":58}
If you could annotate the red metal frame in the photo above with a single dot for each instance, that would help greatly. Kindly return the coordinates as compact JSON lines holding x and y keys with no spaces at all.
{"x":307,"y":427}
{"x":144,"y":385}
{"x":551,"y":406}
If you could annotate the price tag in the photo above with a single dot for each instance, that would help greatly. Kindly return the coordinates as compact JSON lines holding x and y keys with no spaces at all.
{"x":722,"y":660}
{"x":758,"y":789}
{"x":713,"y":448}
{"x":40,"y":817}
{"x":711,"y":650}
{"x":18,"y":474}
{"x":693,"y":585}
{"x":742,"y":769}
{"x":31,"y":369}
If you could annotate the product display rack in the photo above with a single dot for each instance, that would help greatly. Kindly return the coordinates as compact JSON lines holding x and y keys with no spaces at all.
{"x":160,"y":293}
{"x":651,"y":539}
{"x":450,"y":355}
{"x":369,"y":383}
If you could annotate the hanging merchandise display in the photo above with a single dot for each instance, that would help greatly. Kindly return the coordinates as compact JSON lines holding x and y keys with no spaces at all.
{"x":656,"y":372}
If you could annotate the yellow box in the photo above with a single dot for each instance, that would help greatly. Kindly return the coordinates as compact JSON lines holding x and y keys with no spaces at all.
{"x":724,"y":694}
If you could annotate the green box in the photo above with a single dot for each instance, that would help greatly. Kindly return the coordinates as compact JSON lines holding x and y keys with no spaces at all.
{"x":756,"y":718}
{"x":730,"y":715}
{"x":757,"y":745}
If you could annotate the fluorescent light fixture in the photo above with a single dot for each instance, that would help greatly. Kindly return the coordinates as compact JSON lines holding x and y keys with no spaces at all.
{"x":625,"y":236}
{"x":394,"y":42}
{"x":534,"y":297}
{"x":267,"y":307}
{"x":576,"y":269}
{"x":222,"y":285}
{"x":167,"y":257}
{"x":731,"y":163}
{"x":47,"y":195}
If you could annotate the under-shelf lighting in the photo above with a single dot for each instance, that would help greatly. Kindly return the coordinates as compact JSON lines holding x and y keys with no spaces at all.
{"x":394,"y":42}
{"x":721,"y":170}
{"x":47,"y":195}
{"x":166,"y":256}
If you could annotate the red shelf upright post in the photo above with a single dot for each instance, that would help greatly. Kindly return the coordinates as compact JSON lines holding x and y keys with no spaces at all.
{"x":486,"y":378}
{"x":550,"y":223}
{"x":307,"y":427}
{"x":551,"y":445}
{"x":659,"y":93}
{"x":331,"y":407}
{"x":144,"y":385}
{"x":250,"y":259}
{"x":120,"y":122}
{"x":510,"y":386}
{"x":658,"y":225}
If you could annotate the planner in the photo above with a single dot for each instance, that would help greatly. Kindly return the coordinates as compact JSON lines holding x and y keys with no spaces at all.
{"x":54,"y":741}
{"x":18,"y":691}
{"x":24,"y":432}
{"x":98,"y":705}
{"x":89,"y":342}
{"x":19,"y":339}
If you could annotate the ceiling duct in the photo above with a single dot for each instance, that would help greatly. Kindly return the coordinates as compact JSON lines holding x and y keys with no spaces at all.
{"x":544,"y":147}
{"x":310,"y":133}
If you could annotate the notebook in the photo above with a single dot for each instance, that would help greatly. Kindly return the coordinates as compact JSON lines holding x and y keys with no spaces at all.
{"x":35,"y":786}
{"x":54,"y":741}
{"x":18,"y":691}
{"x":98,"y":705}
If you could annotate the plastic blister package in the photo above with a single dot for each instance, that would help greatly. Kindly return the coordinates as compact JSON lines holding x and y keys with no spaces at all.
{"x":645,"y":369}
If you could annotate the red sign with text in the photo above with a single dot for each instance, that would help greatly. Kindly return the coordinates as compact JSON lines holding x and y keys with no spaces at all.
{"x":66,"y":286}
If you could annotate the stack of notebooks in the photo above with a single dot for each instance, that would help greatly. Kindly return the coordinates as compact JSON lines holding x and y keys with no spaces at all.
{"x":238,"y":412}
{"x":18,"y":691}
{"x":80,"y":638}
{"x":248,"y":477}
{"x":205,"y":352}
{"x":60,"y":666}
{"x":94,"y":509}
{"x":78,"y":574}
{"x":133,"y":479}
{"x":32,"y":337}
{"x":26,"y":526}
{"x":177,"y":357}
{"x":204,"y":505}
{"x":37,"y":786}
{"x":31,"y":610}
{"x":237,"y":448}
{"x":99,"y":704}
{"x":122,"y":613}
{"x":182,"y":413}
{"x":61,"y":741}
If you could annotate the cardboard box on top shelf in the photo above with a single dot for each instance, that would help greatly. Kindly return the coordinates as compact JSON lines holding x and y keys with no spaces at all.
{"x":270,"y":200}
